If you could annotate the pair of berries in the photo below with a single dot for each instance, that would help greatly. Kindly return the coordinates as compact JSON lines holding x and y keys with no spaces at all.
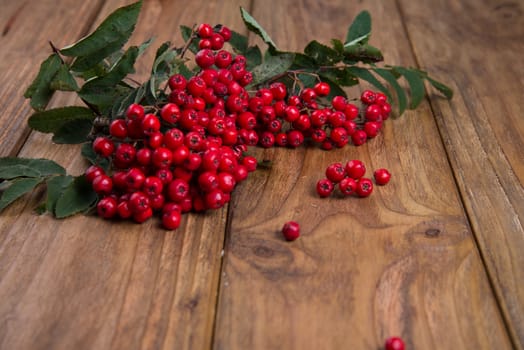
{"x":350,"y":179}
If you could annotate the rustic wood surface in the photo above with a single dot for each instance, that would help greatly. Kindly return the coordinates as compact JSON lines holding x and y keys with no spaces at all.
{"x":434,"y":256}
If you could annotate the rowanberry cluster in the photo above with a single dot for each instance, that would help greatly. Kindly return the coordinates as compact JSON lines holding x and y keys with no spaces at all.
{"x":350,"y":179}
{"x":186,"y":152}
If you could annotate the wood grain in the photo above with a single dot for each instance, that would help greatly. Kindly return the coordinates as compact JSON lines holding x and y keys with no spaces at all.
{"x":26,"y":29}
{"x":401,"y":262}
{"x":482,"y":127}
{"x":85,"y":283}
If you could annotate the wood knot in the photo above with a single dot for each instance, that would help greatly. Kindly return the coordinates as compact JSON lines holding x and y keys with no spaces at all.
{"x":432,"y":232}
{"x":263,"y":251}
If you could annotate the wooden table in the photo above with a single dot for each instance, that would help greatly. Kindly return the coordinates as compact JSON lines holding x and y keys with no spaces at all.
{"x":437,"y":256}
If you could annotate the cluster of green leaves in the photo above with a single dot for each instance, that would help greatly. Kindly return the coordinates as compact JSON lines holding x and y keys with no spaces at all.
{"x":97,"y":69}
{"x":66,"y":195}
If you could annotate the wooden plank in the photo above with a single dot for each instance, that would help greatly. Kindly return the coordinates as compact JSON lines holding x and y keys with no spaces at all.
{"x":401,"y":262}
{"x":480,"y":55}
{"x":26,"y":28}
{"x":85,"y":283}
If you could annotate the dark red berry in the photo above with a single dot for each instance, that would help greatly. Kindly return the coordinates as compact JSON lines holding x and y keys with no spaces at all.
{"x":368,"y":97}
{"x":118,"y":129}
{"x":171,"y":219}
{"x":347,"y":186}
{"x":103,"y":146}
{"x":359,"y":137}
{"x":204,"y":30}
{"x":394,"y":343}
{"x":325,"y":187}
{"x":291,"y":230}
{"x":355,"y":169}
{"x":107,"y":207}
{"x":364,"y":187}
{"x":382,"y":176}
{"x":335,"y":172}
{"x":205,"y":58}
{"x":322,"y":89}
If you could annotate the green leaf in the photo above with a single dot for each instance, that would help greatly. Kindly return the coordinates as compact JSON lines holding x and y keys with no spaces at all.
{"x":256,"y":28}
{"x":253,"y":57}
{"x":338,"y":46}
{"x":239,"y":42}
{"x":87,"y":62}
{"x":445,"y":90}
{"x":17,"y":189}
{"x":73,"y":132}
{"x":102,"y":91}
{"x":416,"y":85}
{"x":55,"y":188}
{"x":89,"y":154}
{"x":360,"y":30}
{"x":364,"y":53}
{"x":186,"y":35}
{"x":163,"y":67}
{"x":366,"y":75}
{"x":112,"y":33}
{"x":272,"y":66}
{"x":401,"y":94}
{"x":77,"y":197}
{"x":341,"y":76}
{"x":322,"y":54}
{"x":11,"y":167}
{"x":64,"y":80}
{"x":40,"y":90}
{"x":53,"y":119}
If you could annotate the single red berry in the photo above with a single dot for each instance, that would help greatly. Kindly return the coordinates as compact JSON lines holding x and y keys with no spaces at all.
{"x":382,"y":176}
{"x":368,"y":97}
{"x":240,"y":173}
{"x":380,"y":98}
{"x":351,"y":111}
{"x":204,"y":30}
{"x":135,"y":112}
{"x":170,"y":113}
{"x":107,"y":207}
{"x":92,"y":172}
{"x":339,"y":103}
{"x":205,"y":58}
{"x":123,"y":210}
{"x":364,"y":187}
{"x":359,"y":137}
{"x":291,"y":230}
{"x":135,"y":178}
{"x":177,"y":82}
{"x":266,"y":139}
{"x":308,"y":95}
{"x":217,"y":41}
{"x":291,"y":113}
{"x":372,"y":129}
{"x":171,"y":219}
{"x":224,"y":31}
{"x":143,"y":216}
{"x":373,"y":112}
{"x":118,"y":129}
{"x":226,"y":182}
{"x":177,"y":190}
{"x":295,"y":138}
{"x":102,"y":184}
{"x":355,"y":169}
{"x":325,"y":187}
{"x":157,"y":201}
{"x":347,"y":186}
{"x":125,"y":155}
{"x":250,"y":163}
{"x":335,"y":172}
{"x":207,"y":181}
{"x":103,"y":146}
{"x":322,"y":89}
{"x":139,"y":202}
{"x":162,"y":157}
{"x":339,"y":136}
{"x":150,"y":124}
{"x":223,"y":59}
{"x":196,"y":86}
{"x":394,"y":343}
{"x":266,"y":95}
{"x":386,"y":110}
{"x":152,"y":186}
{"x":278,"y":90}
{"x":155,"y":140}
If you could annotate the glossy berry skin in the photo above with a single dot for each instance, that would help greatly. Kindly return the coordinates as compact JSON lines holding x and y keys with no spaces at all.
{"x":382,"y":176}
{"x":102,"y":184}
{"x":347,"y":186}
{"x":204,"y":30}
{"x":106,"y":207}
{"x":135,"y":112}
{"x":92,"y":172}
{"x":335,"y":172}
{"x":291,"y":230}
{"x":372,"y":129}
{"x":118,"y":129}
{"x":322,"y":89}
{"x":339,"y":103}
{"x":359,"y":137}
{"x":355,"y":169}
{"x":205,"y":58}
{"x":368,"y":97}
{"x":325,"y":187}
{"x":364,"y":187}
{"x":394,"y":343}
{"x":103,"y":146}
{"x":171,"y":219}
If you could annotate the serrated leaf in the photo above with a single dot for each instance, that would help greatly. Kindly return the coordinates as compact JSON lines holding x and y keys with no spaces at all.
{"x":401,"y":94}
{"x":186,"y":35}
{"x":445,"y":90}
{"x":364,"y":53}
{"x":340,"y":76}
{"x":55,"y":188}
{"x":17,"y":189}
{"x":11,"y":167}
{"x":366,"y":75}
{"x":53,"y":119}
{"x":304,"y":61}
{"x":64,"y":80}
{"x":256,"y":28}
{"x":416,"y":85}
{"x":322,"y":54}
{"x":272,"y":66}
{"x":73,"y":132}
{"x":40,"y":90}
{"x":239,"y":42}
{"x":87,"y":62}
{"x":76,"y":198}
{"x":113,"y":32}
{"x":360,"y":30}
